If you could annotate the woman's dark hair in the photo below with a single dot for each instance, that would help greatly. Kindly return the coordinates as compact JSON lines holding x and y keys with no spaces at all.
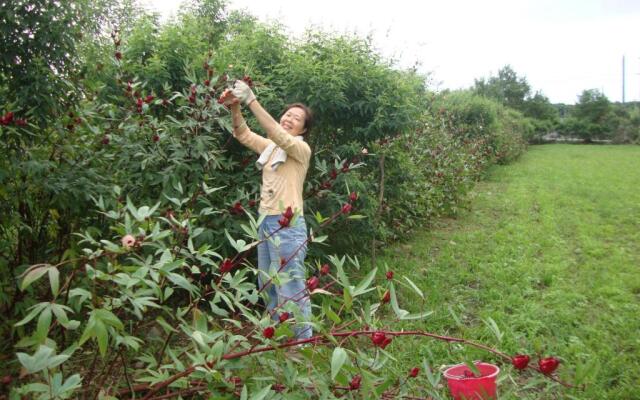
{"x":308,"y":115}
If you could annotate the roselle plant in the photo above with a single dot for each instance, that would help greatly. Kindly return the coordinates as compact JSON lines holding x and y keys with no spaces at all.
{"x":134,"y":312}
{"x":158,"y":299}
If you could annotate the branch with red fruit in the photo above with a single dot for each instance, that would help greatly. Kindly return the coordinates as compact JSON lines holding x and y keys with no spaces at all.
{"x":379,"y":338}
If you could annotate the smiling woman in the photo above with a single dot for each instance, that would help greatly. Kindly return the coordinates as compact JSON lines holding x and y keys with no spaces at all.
{"x":284,"y":161}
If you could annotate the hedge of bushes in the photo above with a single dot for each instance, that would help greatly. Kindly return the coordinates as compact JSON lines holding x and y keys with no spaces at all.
{"x":139,"y":138}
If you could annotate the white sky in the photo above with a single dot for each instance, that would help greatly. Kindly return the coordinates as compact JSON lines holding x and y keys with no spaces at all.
{"x":561,"y":46}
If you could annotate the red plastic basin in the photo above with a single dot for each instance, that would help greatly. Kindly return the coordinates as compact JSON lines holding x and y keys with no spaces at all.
{"x":464,"y":386}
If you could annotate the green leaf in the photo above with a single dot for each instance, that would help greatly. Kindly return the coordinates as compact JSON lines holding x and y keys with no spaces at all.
{"x":455,"y":317}
{"x":217,"y":349}
{"x":38,"y":361}
{"x":43,"y":358}
{"x":262,"y":393}
{"x":473,"y":367}
{"x":434,"y":380}
{"x":320,"y":239}
{"x":54,"y":361}
{"x":44,"y":322}
{"x":347,"y":298}
{"x":421,"y":315}
{"x":343,"y":279}
{"x":72,"y":383}
{"x":54,"y":280}
{"x":97,"y":328}
{"x":109,"y":318}
{"x":331,"y":314}
{"x":414,"y":287}
{"x":337,"y":361}
{"x":102,"y":335}
{"x":319,"y":218}
{"x":167,"y":328}
{"x":364,"y":284}
{"x":493,"y":327}
{"x":133,"y":210}
{"x":244,"y":395}
{"x":33,"y":273}
{"x":394,"y":303}
{"x":181,"y":281}
{"x":35,"y":310}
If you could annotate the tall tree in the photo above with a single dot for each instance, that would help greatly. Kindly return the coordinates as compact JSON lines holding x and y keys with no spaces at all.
{"x":507,"y":87}
{"x":591,"y":118}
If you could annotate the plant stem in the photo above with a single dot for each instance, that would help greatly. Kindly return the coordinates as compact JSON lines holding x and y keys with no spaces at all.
{"x":320,"y":340}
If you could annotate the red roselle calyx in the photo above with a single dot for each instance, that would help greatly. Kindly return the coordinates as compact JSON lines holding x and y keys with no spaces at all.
{"x":520,"y":361}
{"x":247,"y":79}
{"x":389,"y":275}
{"x":377,"y":338}
{"x":237,"y":208}
{"x":414,"y":372}
{"x":355,"y":382}
{"x":288,"y":213}
{"x":346,"y":209}
{"x":118,"y":55}
{"x":333,"y":174}
{"x":548,"y":365}
{"x":149,"y":99}
{"x":235,"y":380}
{"x":325,"y":269}
{"x":312,"y":283}
{"x":278,"y":387}
{"x":268,"y":332}
{"x":386,"y":297}
{"x":284,"y":221}
{"x":353,"y":196}
{"x":284,"y":317}
{"x":381,"y":340}
{"x":7,"y":118}
{"x":226,"y":266}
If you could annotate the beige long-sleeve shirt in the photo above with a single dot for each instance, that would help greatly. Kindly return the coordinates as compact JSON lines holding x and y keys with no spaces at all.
{"x":283,"y":187}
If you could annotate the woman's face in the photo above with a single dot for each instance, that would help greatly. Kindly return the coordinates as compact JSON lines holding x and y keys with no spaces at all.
{"x":293,"y":121}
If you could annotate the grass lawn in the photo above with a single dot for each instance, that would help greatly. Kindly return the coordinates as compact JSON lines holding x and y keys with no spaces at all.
{"x":549,"y":248}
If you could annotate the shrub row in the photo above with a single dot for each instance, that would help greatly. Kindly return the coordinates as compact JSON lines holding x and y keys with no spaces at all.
{"x":134,"y":189}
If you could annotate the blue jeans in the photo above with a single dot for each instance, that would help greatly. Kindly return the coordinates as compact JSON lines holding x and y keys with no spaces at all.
{"x":293,"y":248}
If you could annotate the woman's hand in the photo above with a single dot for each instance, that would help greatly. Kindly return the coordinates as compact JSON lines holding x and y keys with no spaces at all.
{"x":243,"y":92}
{"x":228,"y":99}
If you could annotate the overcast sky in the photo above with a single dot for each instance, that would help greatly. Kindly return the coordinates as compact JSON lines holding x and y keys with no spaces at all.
{"x":561,"y":46}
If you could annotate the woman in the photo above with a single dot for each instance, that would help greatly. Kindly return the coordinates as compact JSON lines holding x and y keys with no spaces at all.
{"x":284,"y":160}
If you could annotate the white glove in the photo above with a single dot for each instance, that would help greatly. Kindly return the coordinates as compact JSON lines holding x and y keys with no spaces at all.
{"x":243,"y":92}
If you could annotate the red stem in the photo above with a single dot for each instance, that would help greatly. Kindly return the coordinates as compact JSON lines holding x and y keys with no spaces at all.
{"x":321,"y":340}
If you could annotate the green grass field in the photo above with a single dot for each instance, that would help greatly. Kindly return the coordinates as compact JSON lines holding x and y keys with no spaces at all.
{"x":549,"y":248}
